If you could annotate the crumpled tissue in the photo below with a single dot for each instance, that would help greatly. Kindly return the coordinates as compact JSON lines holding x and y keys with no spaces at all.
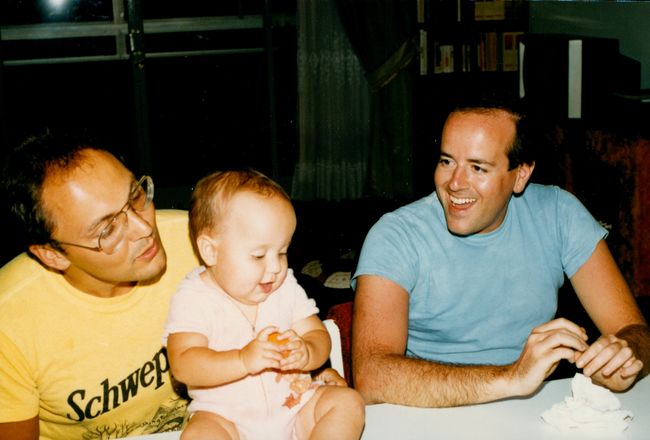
{"x":592,"y":408}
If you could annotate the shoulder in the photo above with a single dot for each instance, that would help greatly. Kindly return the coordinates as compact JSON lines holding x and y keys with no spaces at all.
{"x":192,"y":288}
{"x":29,"y":292}
{"x":408,"y":226}
{"x":550,"y":195}
{"x":420,"y":212}
{"x":174,"y":233}
{"x":19,"y":274}
{"x":560,"y":212}
{"x":195,"y":297}
{"x":173,"y":229}
{"x":394,"y":246}
{"x":538,"y":192}
{"x":417,"y":208}
{"x":172,"y":222}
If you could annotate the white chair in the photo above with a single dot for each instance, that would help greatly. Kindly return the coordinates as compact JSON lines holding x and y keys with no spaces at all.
{"x":336,"y":355}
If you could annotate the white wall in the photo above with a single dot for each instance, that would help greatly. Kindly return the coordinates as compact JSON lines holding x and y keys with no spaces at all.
{"x":627,"y":21}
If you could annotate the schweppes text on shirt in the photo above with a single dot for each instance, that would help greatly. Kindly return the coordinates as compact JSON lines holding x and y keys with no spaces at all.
{"x":150,"y":374}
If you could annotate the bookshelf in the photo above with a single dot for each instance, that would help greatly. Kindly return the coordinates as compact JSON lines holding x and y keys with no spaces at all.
{"x":470,"y":36}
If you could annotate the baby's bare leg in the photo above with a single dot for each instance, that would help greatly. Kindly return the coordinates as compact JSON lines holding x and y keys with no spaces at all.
{"x":333,"y":412}
{"x":205,"y":425}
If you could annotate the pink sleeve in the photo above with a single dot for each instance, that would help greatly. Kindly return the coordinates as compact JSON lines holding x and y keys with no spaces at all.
{"x":303,"y":306}
{"x":187,"y":313}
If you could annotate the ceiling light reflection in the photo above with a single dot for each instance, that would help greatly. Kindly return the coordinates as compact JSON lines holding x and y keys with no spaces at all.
{"x":56,"y":4}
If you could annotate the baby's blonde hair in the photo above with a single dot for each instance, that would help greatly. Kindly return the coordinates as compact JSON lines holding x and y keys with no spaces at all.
{"x":213,"y":193}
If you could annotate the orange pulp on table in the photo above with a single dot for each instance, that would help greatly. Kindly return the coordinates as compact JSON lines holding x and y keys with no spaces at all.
{"x":273,"y":337}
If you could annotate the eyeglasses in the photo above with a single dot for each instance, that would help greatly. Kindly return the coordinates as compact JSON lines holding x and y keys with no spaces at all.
{"x":115,"y":231}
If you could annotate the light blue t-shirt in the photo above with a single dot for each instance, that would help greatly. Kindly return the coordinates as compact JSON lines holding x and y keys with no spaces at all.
{"x":475,"y":299}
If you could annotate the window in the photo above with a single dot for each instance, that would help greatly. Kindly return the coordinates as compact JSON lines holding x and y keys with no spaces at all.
{"x":206,"y":80}
{"x":211,"y":95}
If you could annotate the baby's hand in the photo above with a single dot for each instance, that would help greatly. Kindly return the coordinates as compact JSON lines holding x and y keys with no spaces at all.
{"x":260,"y":353}
{"x":295,"y":354}
{"x":330,"y":377}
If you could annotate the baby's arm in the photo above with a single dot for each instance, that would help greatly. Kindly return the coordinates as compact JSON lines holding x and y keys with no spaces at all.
{"x":309,"y":344}
{"x":195,"y":364}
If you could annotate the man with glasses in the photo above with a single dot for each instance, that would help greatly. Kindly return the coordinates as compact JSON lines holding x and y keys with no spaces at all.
{"x":81,"y":315}
{"x":112,"y":235}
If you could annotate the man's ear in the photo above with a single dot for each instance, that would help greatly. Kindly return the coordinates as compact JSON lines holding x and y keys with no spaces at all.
{"x":208,"y":249}
{"x":524,"y":171}
{"x":50,"y":257}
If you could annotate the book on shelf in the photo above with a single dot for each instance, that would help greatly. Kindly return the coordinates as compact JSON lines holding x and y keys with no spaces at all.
{"x":466,"y":58}
{"x":448,"y":59}
{"x":510,"y":50}
{"x":424,"y":53}
{"x":492,"y":58}
{"x":443,"y":58}
{"x":488,"y":52}
{"x":489,"y":10}
{"x":498,"y":51}
{"x":420,"y":10}
{"x":498,"y":9}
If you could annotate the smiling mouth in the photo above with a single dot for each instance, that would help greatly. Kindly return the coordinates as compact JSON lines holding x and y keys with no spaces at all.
{"x":460,"y":201}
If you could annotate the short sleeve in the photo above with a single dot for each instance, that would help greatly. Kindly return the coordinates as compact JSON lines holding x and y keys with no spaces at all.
{"x":388,"y":252}
{"x":580,"y":232}
{"x":188,"y":313}
{"x":303,"y":306}
{"x":16,"y":386}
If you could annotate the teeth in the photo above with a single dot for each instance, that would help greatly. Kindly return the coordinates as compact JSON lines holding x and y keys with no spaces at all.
{"x":460,"y":201}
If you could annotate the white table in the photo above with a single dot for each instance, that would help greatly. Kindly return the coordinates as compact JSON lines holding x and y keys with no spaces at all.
{"x":511,"y":419}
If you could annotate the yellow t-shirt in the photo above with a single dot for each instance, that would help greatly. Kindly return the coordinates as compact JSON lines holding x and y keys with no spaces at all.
{"x":89,"y":367}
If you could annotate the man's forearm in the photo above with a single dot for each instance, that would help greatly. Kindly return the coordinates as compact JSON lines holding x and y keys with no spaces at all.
{"x":638,"y":338}
{"x":415,"y":382}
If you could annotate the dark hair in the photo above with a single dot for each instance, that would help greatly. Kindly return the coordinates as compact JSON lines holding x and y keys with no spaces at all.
{"x":522,"y":150}
{"x":25,"y":169}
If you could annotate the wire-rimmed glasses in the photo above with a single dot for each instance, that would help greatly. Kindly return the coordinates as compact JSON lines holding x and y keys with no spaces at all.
{"x":115,"y":231}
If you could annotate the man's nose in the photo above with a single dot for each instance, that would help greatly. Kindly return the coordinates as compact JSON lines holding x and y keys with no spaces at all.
{"x":458,"y":179}
{"x":138,"y":226}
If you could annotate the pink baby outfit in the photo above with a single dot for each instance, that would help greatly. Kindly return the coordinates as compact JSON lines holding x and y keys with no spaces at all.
{"x":263,"y":406}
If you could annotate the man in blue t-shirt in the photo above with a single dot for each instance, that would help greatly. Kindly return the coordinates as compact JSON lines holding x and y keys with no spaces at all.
{"x":456,"y":292}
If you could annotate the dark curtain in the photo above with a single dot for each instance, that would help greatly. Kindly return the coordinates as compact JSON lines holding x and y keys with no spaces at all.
{"x":382,"y":34}
{"x":333,"y":108}
{"x":4,"y":138}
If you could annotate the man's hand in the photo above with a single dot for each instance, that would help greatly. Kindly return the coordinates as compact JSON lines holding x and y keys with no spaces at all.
{"x":547,"y":345}
{"x":610,"y":362}
{"x":617,"y":358}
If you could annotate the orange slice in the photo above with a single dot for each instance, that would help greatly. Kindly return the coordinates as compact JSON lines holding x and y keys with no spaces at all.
{"x":273,"y":337}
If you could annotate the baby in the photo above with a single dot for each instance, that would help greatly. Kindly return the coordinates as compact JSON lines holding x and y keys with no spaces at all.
{"x":241,"y":333}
